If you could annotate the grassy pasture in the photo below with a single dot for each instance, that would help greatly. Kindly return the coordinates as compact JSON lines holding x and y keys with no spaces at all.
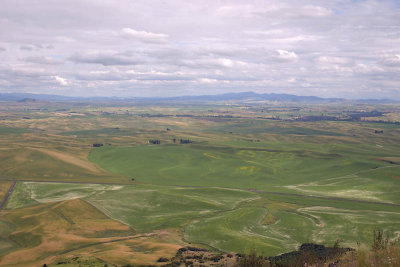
{"x":332,"y":170}
{"x":12,"y":130}
{"x":245,"y":126}
{"x":224,"y":219}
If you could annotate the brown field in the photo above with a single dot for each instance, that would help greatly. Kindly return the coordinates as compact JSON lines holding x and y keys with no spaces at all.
{"x":84,"y":164}
{"x":31,"y":163}
{"x":49,"y":233}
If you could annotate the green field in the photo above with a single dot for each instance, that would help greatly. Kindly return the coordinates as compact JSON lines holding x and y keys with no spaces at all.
{"x":223,"y":219}
{"x":246,"y":182}
{"x":332,"y":170}
{"x":11,"y":130}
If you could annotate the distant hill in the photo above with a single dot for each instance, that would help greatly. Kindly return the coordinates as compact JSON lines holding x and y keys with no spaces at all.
{"x":27,"y":100}
{"x":256,"y":97}
{"x":25,"y":97}
{"x":243,"y":96}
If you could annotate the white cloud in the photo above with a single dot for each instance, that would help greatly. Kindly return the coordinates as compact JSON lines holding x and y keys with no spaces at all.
{"x":143,"y":36}
{"x":209,"y":62}
{"x":391,"y":61}
{"x":207,"y":80}
{"x":286,"y":56}
{"x":313,"y":11}
{"x":333,"y":60}
{"x":368,"y":69}
{"x":336,"y":64}
{"x":226,"y":62}
{"x":61,"y":81}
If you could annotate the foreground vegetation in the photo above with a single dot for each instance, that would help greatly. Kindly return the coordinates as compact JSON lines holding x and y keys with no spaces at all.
{"x":122,"y":188}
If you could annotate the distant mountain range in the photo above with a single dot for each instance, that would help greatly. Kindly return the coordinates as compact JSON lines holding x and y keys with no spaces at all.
{"x":26,"y":97}
{"x":251,"y":96}
{"x":235,"y":97}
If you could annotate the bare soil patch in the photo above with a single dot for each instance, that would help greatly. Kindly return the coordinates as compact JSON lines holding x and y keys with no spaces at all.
{"x":72,"y":160}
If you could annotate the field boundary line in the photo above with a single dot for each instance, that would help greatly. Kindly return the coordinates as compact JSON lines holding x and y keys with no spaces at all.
{"x":104,"y":242}
{"x":8,"y":194}
{"x":64,"y":182}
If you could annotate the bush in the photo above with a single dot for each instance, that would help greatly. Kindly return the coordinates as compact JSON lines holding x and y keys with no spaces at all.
{"x":251,"y":260}
{"x":380,"y":242}
{"x":162,"y":260}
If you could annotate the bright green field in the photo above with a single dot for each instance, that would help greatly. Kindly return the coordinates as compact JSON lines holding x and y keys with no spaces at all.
{"x":329,"y":170}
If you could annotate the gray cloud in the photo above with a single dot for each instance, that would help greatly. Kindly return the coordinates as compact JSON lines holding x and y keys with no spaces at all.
{"x":43,"y":60}
{"x":136,"y":48}
{"x":26,"y":47}
{"x":105,"y":59}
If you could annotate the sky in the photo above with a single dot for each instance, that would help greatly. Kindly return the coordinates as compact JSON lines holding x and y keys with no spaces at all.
{"x":128,"y":48}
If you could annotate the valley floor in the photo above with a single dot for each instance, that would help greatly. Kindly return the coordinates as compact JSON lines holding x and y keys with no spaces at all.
{"x":235,"y":184}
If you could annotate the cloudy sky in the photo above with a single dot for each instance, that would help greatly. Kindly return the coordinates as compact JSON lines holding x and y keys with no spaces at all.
{"x":328,"y":48}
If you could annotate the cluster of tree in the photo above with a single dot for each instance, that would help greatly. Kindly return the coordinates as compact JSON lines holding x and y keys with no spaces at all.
{"x":318,"y":118}
{"x":184,"y":115}
{"x":351,"y":117}
{"x":148,"y":115}
{"x":182,"y":141}
{"x":157,"y":142}
{"x":361,"y":114}
{"x":97,"y":145}
{"x":387,"y":122}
